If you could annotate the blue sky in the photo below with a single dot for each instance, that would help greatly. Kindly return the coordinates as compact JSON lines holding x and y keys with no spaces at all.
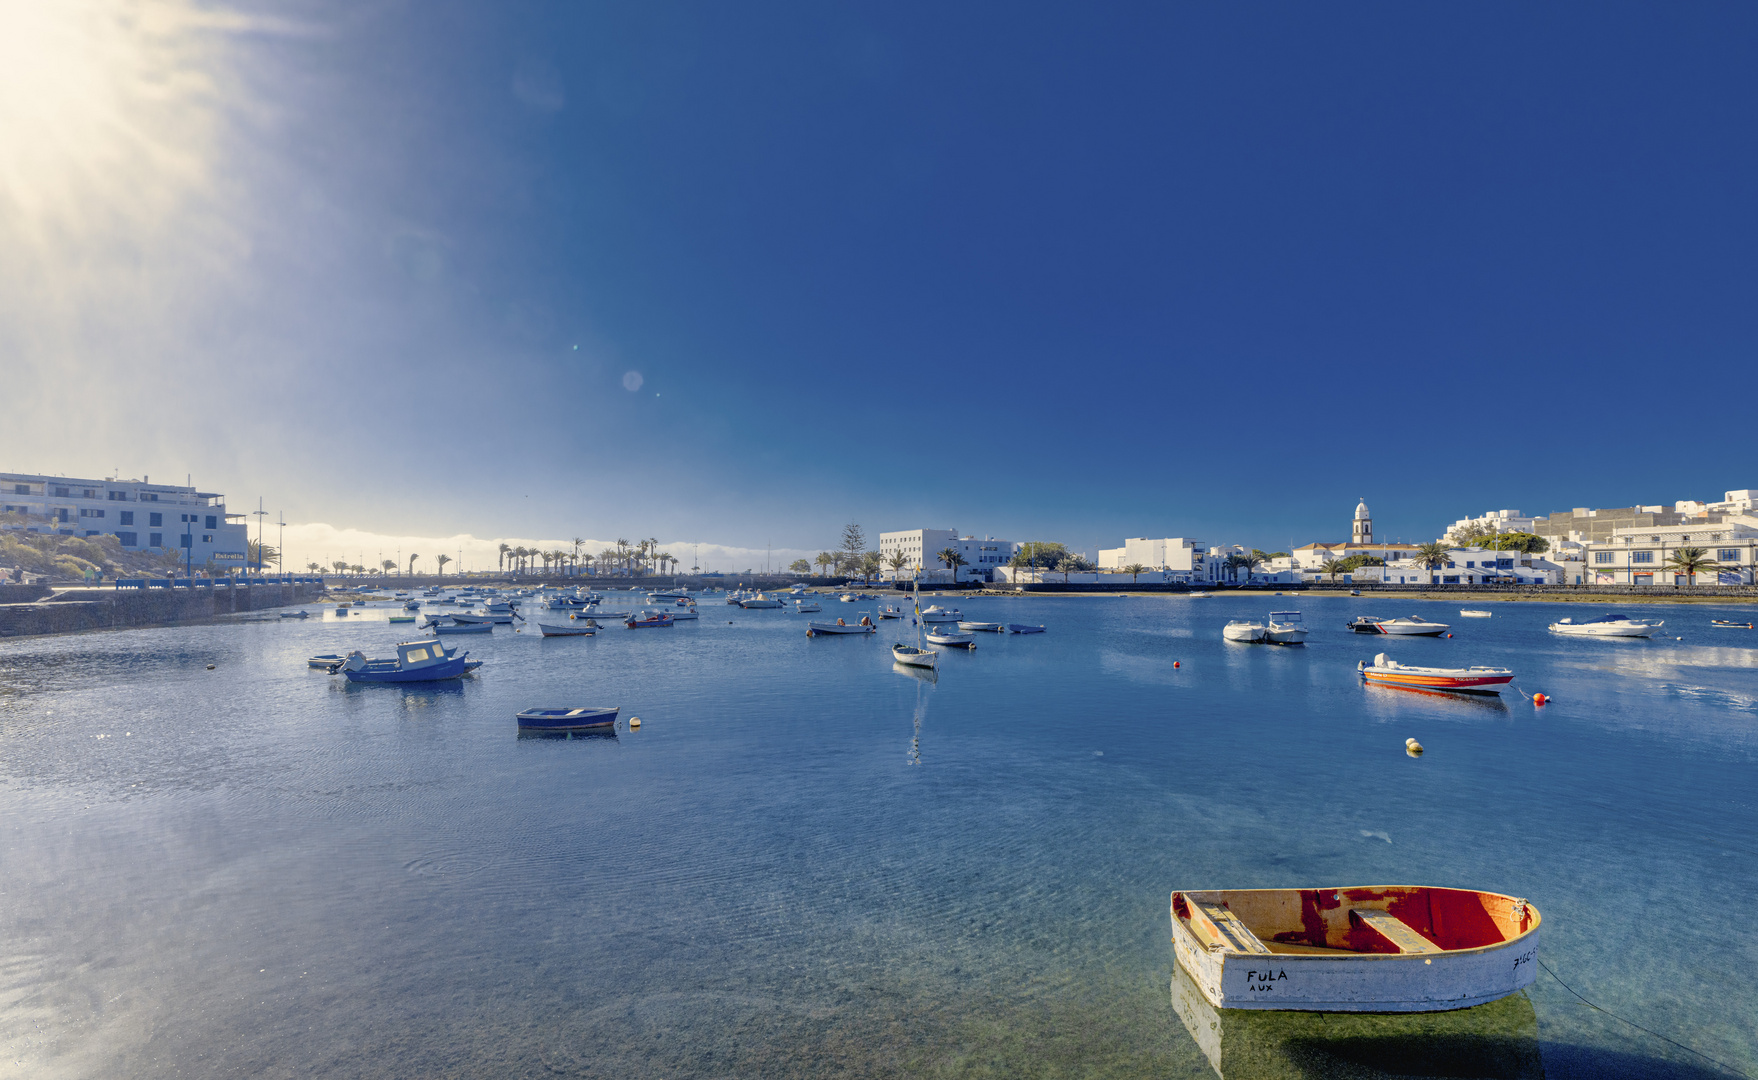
{"x":1036,"y":271}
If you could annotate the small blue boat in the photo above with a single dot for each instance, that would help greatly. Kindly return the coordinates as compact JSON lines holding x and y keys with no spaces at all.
{"x":647,"y":619}
{"x":416,"y":661}
{"x":562,"y":718}
{"x":465,"y":628}
{"x":1022,"y":628}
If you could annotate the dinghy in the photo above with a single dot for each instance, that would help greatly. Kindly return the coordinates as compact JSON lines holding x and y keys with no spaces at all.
{"x":465,"y":628}
{"x":295,"y":614}
{"x":803,"y":607}
{"x":1380,"y":948}
{"x":572,"y":629}
{"x":325,"y":660}
{"x":865,"y":626}
{"x":1022,"y":628}
{"x":957,"y":639}
{"x":1719,"y":624}
{"x":400,"y":618}
{"x":562,"y":718}
{"x":647,"y":620}
{"x":989,"y":627}
{"x":1473,"y":613}
{"x":1472,"y":680}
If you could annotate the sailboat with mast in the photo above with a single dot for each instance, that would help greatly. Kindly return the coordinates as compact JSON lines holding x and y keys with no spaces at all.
{"x":916,"y":655}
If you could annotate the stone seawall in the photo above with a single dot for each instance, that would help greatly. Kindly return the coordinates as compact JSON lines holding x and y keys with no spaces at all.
{"x":109,"y":609}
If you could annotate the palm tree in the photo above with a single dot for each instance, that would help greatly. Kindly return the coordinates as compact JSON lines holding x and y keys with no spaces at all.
{"x":665,"y":559}
{"x":340,"y":566}
{"x":358,"y":569}
{"x":607,"y":560}
{"x":314,"y":567}
{"x":505,"y":551}
{"x":442,"y":560}
{"x":898,"y":562}
{"x":583,"y":558}
{"x":871,"y":564}
{"x":1690,"y":561}
{"x":1134,"y":570}
{"x":388,"y":565}
{"x":1068,"y":563}
{"x":1231,"y":563}
{"x":1432,"y":555}
{"x":412,"y":559}
{"x":825,"y":561}
{"x":952,"y":559}
{"x":577,"y":541}
{"x":1250,"y":563}
{"x":1333,"y":568}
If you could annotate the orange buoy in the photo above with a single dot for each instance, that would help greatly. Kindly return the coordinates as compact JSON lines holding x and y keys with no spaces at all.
{"x":1449,"y":635}
{"x":1174,"y":663}
{"x":1539,"y":699}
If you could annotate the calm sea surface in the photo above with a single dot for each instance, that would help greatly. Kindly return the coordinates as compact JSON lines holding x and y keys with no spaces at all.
{"x":809,"y":863}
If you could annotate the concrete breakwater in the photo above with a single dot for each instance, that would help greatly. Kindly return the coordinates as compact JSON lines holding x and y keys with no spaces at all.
{"x":106,"y":609}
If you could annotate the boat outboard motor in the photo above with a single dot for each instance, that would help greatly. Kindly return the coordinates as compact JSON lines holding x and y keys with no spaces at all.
{"x":356,"y":661}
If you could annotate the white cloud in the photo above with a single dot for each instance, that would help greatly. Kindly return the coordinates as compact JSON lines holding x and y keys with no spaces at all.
{"x":324,"y":543}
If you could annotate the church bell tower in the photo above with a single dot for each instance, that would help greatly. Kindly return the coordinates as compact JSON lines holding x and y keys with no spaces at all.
{"x":1362,"y":534}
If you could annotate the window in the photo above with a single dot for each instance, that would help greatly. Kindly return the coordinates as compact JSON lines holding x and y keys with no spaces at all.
{"x":155,"y":539}
{"x":61,"y":492}
{"x":21,"y":489}
{"x":62,"y":514}
{"x":207,"y":538}
{"x":129,"y":539}
{"x":1654,"y":539}
{"x":1728,"y":555}
{"x":1470,"y":564}
{"x":89,"y":493}
{"x":118,"y":496}
{"x":213,"y":522}
{"x":91,"y":513}
{"x":155,"y":520}
{"x":1450,"y":579}
{"x":1641,"y":556}
{"x":1602,"y":556}
{"x":127,"y":516}
{"x":1504,"y":564}
{"x":150,"y":496}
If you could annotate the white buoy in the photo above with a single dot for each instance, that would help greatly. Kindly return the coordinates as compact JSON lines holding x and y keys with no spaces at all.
{"x":1412,"y":747}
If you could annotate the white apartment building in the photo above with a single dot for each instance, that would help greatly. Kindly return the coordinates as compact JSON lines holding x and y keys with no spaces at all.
{"x":1500,"y":521}
{"x":141,"y":515}
{"x":1638,"y":556}
{"x":1174,"y":554}
{"x":922,"y":547}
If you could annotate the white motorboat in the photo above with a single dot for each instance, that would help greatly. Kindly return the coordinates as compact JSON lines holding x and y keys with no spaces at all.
{"x":991,"y":627}
{"x":1285,"y":628}
{"x":891,"y":611}
{"x":759,"y":601}
{"x":1244,"y":630}
{"x":806,"y":607}
{"x":1473,"y":613}
{"x":1613,"y":625}
{"x":1407,"y":626}
{"x":846,"y":598}
{"x":938,"y":614}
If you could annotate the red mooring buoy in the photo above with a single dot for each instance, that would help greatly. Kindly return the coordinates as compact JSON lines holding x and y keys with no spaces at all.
{"x":1539,"y":699}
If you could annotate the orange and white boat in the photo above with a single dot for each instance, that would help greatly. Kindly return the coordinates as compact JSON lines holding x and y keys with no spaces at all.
{"x":1376,"y":948}
{"x":1471,"y":680}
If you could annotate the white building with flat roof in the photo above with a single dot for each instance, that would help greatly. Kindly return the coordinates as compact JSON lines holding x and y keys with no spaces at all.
{"x":1639,"y":555}
{"x":922,"y":547}
{"x":140,"y":515}
{"x":1176,"y":554}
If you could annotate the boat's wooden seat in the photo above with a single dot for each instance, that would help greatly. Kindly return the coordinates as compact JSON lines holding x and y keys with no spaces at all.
{"x":1395,"y":930}
{"x":1232,"y":933}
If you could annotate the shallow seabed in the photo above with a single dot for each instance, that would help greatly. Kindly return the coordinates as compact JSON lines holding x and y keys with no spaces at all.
{"x":809,"y":863}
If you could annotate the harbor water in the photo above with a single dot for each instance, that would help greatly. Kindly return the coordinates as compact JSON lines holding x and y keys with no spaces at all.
{"x":808,"y":862}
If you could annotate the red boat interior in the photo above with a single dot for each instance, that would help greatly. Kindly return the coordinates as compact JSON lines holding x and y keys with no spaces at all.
{"x":1365,"y":919}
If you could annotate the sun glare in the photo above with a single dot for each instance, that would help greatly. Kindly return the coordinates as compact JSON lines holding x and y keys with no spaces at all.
{"x":106,"y":114}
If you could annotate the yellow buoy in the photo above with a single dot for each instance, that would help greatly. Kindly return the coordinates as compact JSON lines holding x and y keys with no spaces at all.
{"x":634,"y":721}
{"x":210,"y":667}
{"x":1412,"y":747}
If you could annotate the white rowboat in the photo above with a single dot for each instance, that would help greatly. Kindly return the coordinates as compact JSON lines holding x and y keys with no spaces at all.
{"x":1380,"y":948}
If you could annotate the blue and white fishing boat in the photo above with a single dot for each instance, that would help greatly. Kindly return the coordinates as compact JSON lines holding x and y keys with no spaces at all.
{"x":413,"y":605}
{"x":464,"y":628}
{"x":416,"y":661}
{"x":648,"y":619}
{"x":1022,"y":628}
{"x":563,"y":718}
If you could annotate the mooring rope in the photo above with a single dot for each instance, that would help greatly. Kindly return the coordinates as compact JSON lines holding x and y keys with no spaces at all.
{"x":1639,"y":1027}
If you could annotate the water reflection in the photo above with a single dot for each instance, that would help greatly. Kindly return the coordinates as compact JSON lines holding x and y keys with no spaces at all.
{"x":1460,"y":701}
{"x":1498,"y":1040}
{"x":599,"y":734}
